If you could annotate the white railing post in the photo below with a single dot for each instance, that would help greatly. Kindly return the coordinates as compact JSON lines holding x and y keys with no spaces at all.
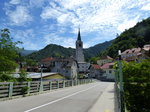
{"x":58,"y":84}
{"x":28,"y":84}
{"x":10,"y":89}
{"x":50,"y":85}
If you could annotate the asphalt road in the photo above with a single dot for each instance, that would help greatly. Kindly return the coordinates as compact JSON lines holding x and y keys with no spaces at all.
{"x":73,"y":99}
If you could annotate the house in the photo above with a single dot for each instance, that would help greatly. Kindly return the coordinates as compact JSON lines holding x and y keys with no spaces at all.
{"x":83,"y":67}
{"x":108,"y":71}
{"x":95,"y":71}
{"x":67,"y":67}
{"x":145,"y":52}
{"x":104,"y":59}
{"x":48,"y":62}
{"x":131,"y":54}
{"x":136,"y":54}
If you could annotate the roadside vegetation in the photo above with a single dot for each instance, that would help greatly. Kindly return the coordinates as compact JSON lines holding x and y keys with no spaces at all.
{"x":10,"y":58}
{"x":137,"y":86}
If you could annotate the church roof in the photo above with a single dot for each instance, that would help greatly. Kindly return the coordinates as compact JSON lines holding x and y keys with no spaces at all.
{"x":79,"y":36}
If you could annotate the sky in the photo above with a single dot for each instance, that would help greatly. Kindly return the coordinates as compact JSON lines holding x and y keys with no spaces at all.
{"x":38,"y":23}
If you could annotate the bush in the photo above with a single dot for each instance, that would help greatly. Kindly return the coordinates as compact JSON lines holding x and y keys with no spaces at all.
{"x":24,"y":90}
{"x":137,"y":86}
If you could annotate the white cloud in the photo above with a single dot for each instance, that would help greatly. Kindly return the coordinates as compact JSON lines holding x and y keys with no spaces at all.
{"x":49,"y":12}
{"x":146,"y":7}
{"x":105,"y":18}
{"x":27,"y":37}
{"x":128,"y":24}
{"x":55,"y":39}
{"x":15,"y":2}
{"x":37,"y":3}
{"x":19,"y":16}
{"x":90,"y":15}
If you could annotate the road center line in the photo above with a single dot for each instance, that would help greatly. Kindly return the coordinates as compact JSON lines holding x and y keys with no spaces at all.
{"x":49,"y":103}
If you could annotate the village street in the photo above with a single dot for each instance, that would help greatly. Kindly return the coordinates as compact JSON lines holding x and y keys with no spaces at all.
{"x":82,"y":98}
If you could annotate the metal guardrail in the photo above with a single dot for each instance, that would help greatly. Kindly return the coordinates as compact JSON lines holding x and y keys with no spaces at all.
{"x":10,"y":89}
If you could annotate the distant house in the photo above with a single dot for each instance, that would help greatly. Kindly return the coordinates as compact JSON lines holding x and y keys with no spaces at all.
{"x":145,"y":52}
{"x":83,"y":67}
{"x":108,"y":71}
{"x":131,"y":54}
{"x":48,"y":62}
{"x":67,"y":67}
{"x":104,"y":59}
{"x":95,"y":71}
{"x":136,"y":54}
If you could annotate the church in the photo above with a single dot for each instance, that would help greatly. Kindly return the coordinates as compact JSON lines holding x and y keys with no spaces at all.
{"x":79,"y":56}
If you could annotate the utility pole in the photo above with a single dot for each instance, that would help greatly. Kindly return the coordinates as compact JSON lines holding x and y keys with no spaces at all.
{"x":121,"y":82}
{"x":41,"y":82}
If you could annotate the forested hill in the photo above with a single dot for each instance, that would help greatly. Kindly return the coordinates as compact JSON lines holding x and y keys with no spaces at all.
{"x":137,"y":36}
{"x":53,"y":50}
{"x":96,"y":50}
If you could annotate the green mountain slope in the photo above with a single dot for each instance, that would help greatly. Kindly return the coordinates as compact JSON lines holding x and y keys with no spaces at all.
{"x":95,"y":50}
{"x":27,"y":52}
{"x":137,"y":36}
{"x":53,"y":50}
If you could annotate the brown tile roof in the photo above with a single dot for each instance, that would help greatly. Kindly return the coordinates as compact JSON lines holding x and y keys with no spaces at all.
{"x":47,"y":59}
{"x":107,"y":65}
{"x":133,"y":50}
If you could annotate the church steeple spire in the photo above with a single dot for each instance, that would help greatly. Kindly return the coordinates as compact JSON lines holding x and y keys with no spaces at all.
{"x":79,"y":48}
{"x":79,"y":36}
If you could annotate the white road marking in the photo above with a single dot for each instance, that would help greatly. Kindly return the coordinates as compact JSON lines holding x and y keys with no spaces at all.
{"x":49,"y":103}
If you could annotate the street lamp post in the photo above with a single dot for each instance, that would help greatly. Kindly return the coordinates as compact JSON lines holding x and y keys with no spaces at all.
{"x":121,"y":82}
{"x":41,"y":79}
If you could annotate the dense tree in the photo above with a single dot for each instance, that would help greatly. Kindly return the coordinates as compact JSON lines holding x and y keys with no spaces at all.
{"x":137,"y":36}
{"x":93,"y":60}
{"x":136,"y":86}
{"x":8,"y":55}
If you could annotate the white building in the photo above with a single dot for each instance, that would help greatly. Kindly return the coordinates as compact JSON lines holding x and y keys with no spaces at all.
{"x":83,"y":67}
{"x":67,"y":67}
{"x":108,"y":71}
{"x":95,"y":71}
{"x":104,"y":60}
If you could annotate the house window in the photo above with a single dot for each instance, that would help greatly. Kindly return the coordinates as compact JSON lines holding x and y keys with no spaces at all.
{"x":110,"y":71}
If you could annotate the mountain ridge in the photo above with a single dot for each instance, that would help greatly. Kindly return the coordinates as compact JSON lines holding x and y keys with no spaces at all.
{"x":54,"y":50}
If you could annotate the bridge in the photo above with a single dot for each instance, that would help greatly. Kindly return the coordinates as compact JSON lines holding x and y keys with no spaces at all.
{"x":90,"y":97}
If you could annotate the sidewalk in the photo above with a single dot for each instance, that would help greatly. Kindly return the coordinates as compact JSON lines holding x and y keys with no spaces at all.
{"x":106,"y":102}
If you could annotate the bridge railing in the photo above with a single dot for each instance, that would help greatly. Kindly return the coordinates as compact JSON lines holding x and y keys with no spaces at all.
{"x":11,"y":89}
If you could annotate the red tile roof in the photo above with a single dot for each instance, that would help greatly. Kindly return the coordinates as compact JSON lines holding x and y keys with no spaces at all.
{"x":107,"y":65}
{"x":48,"y":59}
{"x":95,"y":66}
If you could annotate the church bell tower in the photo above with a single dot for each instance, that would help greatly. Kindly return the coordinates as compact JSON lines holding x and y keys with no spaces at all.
{"x":79,"y":48}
